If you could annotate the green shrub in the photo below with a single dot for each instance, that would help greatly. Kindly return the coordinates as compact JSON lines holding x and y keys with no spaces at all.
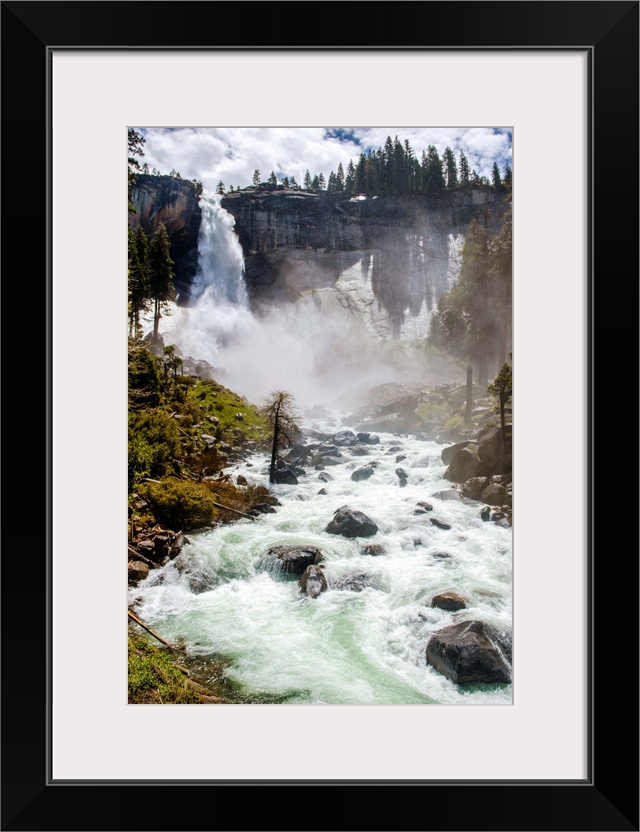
{"x":180,"y":504}
{"x":154,"y":441}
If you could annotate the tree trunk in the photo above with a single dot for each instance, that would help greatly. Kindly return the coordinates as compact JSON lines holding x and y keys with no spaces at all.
{"x":156,"y":319}
{"x":467,"y":411}
{"x":274,"y":447}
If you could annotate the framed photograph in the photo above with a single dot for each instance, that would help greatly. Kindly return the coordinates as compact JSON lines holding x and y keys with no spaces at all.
{"x":560,"y":80}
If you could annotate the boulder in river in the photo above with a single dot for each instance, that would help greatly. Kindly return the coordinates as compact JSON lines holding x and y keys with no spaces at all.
{"x":449,"y":494}
{"x":470,"y":652}
{"x":368,"y":438}
{"x":401,"y":474}
{"x":373,"y":549}
{"x":285,"y":476}
{"x":448,"y":453}
{"x":350,"y":523}
{"x":494,"y":494}
{"x":424,"y":505}
{"x":295,"y":559}
{"x":312,"y":581}
{"x":485,"y":513}
{"x":354,"y":582}
{"x":472,"y":489}
{"x":362,"y":473}
{"x":464,"y":465}
{"x":450,"y":601}
{"x":441,"y":524}
{"x":345,"y":438}
{"x":324,"y":477}
{"x":137,"y":571}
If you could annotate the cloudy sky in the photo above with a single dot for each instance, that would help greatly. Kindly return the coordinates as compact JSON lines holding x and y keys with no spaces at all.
{"x":231,"y":155}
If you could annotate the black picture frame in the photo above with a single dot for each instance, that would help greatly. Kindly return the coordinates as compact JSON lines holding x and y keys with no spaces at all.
{"x":608,"y":798}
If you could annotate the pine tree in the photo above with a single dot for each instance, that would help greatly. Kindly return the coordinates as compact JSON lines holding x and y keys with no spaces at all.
{"x":161,"y":275}
{"x":340,"y":178}
{"x":350,"y":178}
{"x":315,"y":183}
{"x":220,"y":188}
{"x":433,"y":177}
{"x":506,"y":176}
{"x":294,"y":184}
{"x":464,"y":169}
{"x":450,"y":168}
{"x":321,"y":182}
{"x":496,"y":179}
{"x":138,"y":280}
{"x":306,"y":183}
{"x":285,"y":182}
{"x":360,"y":183}
{"x":256,"y":178}
{"x":272,"y":179}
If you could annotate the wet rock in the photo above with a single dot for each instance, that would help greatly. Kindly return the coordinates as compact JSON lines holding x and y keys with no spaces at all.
{"x":441,"y":555}
{"x":400,"y":457}
{"x":362,"y":473}
{"x":449,"y":494}
{"x":471,"y":652}
{"x":322,"y":491}
{"x":450,"y":601}
{"x":426,"y":506}
{"x":440,"y":524}
{"x":312,"y":582}
{"x":285,"y":476}
{"x":241,"y":480}
{"x":295,"y":559}
{"x":137,"y":571}
{"x":448,"y":454}
{"x":350,"y":523}
{"x":472,"y":489}
{"x":494,"y":494}
{"x":345,"y":438}
{"x":146,"y":547}
{"x":355,"y":582}
{"x":464,"y":465}
{"x":503,"y":523}
{"x":485,"y":513}
{"x":324,"y":477}
{"x":373,"y":549}
{"x":368,"y":438}
{"x":401,"y":474}
{"x":179,"y":541}
{"x":262,"y":508}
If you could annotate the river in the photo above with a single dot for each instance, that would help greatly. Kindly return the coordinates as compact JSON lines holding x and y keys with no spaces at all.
{"x":363,"y":640}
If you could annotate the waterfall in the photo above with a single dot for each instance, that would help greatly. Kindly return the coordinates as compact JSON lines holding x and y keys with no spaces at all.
{"x":220,"y":261}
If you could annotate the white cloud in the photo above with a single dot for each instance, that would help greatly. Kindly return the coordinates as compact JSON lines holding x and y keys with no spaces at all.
{"x":211,"y":154}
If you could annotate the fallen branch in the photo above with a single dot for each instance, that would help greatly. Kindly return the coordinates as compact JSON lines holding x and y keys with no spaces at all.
{"x":137,"y":556}
{"x":235,"y":510}
{"x":155,"y":635}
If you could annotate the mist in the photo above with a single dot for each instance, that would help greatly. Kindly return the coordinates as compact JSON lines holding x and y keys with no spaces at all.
{"x":320,"y":349}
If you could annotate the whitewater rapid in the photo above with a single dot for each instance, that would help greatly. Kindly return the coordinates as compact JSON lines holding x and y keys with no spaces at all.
{"x":346,"y":646}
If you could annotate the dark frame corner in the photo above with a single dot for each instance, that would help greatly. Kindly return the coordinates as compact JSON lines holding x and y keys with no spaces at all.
{"x":608,"y":800}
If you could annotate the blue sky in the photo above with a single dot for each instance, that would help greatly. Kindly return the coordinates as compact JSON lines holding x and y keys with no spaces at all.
{"x":211,"y":154}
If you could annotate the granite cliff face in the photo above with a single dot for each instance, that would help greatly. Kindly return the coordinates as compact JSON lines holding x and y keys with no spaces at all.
{"x":176,"y":203}
{"x":385,"y":258}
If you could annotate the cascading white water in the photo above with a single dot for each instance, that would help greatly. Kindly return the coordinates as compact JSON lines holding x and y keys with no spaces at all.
{"x":363,"y":640}
{"x":346,"y":646}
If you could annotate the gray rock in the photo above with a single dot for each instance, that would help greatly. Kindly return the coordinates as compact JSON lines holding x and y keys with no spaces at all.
{"x":345,"y":438}
{"x":494,"y":494}
{"x":312,"y":581}
{"x":449,"y":494}
{"x":137,"y":571}
{"x":350,"y":523}
{"x":485,"y":513}
{"x":324,"y":477}
{"x":284,"y":476}
{"x":241,"y":479}
{"x":448,"y":454}
{"x":295,"y":559}
{"x":401,"y":474}
{"x":368,"y":438}
{"x":472,"y":489}
{"x":441,"y":524}
{"x":471,"y":652}
{"x":464,"y":465}
{"x":424,"y":505}
{"x":362,"y":473}
{"x":400,"y":457}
